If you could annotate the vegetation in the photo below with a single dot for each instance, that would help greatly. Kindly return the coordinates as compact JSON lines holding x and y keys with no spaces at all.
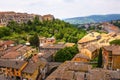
{"x":66,"y":54}
{"x":4,"y":31}
{"x":61,"y":30}
{"x":34,"y":40}
{"x":100,"y":61}
{"x":115,"y":42}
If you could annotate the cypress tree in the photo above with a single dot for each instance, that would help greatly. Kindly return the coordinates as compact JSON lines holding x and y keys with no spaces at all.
{"x":34,"y":40}
{"x":100,"y":61}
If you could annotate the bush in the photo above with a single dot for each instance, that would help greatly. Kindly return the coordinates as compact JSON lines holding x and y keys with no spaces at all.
{"x":66,"y":54}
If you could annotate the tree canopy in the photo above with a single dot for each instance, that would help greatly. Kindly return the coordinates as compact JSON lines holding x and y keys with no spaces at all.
{"x":4,"y":31}
{"x":34,"y":40}
{"x":115,"y":42}
{"x":66,"y":54}
{"x":61,"y":30}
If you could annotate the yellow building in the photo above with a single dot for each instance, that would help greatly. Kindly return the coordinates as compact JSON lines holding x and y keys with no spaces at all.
{"x":69,"y":44}
{"x":44,"y":40}
{"x":48,"y":17}
{"x":90,"y":51}
{"x":101,"y":40}
{"x":30,"y":72}
{"x":90,"y":38}
{"x":33,"y":71}
{"x":12,"y":68}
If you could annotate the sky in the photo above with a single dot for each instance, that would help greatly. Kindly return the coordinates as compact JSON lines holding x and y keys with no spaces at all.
{"x":62,"y":8}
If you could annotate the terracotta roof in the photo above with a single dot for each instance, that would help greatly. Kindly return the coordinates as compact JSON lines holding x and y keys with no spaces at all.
{"x":75,"y":74}
{"x":89,"y":37}
{"x":114,"y":48}
{"x":65,"y":75}
{"x":80,"y":55}
{"x":60,"y":74}
{"x":16,"y":47}
{"x":68,"y":71}
{"x":98,"y":74}
{"x":54,"y":46}
{"x":11,"y":55}
{"x":12,"y":63}
{"x":1,"y":43}
{"x":8,"y":42}
{"x":30,"y":68}
{"x":24,"y":49}
{"x":109,"y":48}
{"x":116,"y":51}
{"x":47,"y":55}
{"x":75,"y":66}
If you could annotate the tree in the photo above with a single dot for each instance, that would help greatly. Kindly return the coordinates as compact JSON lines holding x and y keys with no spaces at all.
{"x":61,"y":30}
{"x":66,"y":54}
{"x":34,"y":40}
{"x":115,"y":42}
{"x":14,"y":26}
{"x":100,"y":61}
{"x":29,"y":22}
{"x":4,"y":31}
{"x":36,"y":21}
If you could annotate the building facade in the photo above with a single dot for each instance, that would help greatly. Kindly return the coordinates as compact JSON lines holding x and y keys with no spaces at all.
{"x":111,"y":57}
{"x":6,"y":17}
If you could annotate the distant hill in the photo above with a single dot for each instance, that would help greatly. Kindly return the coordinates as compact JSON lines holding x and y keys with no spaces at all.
{"x":93,"y":19}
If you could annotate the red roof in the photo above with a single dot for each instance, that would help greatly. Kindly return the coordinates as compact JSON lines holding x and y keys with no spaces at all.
{"x":8,"y":42}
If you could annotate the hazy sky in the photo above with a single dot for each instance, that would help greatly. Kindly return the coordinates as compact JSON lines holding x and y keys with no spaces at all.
{"x":62,"y":8}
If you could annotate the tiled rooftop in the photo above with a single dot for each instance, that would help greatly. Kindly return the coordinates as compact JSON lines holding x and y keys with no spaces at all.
{"x":89,"y":37}
{"x":30,"y":68}
{"x":114,"y":48}
{"x":11,"y":63}
{"x":53,"y":46}
{"x":80,"y":55}
{"x":11,"y":55}
{"x":92,"y":47}
{"x":69,"y":71}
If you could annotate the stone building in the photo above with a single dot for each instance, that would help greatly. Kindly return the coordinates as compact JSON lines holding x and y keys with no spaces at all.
{"x":48,"y":17}
{"x":6,"y":17}
{"x":111,"y":57}
{"x":23,"y":70}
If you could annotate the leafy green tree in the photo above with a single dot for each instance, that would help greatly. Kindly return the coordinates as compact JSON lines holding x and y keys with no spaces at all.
{"x":29,"y":22}
{"x":34,"y":40}
{"x":14,"y":26}
{"x":36,"y":21}
{"x":66,"y":54}
{"x":100,"y":61}
{"x":4,"y":31}
{"x":115,"y":42}
{"x":61,"y":30}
